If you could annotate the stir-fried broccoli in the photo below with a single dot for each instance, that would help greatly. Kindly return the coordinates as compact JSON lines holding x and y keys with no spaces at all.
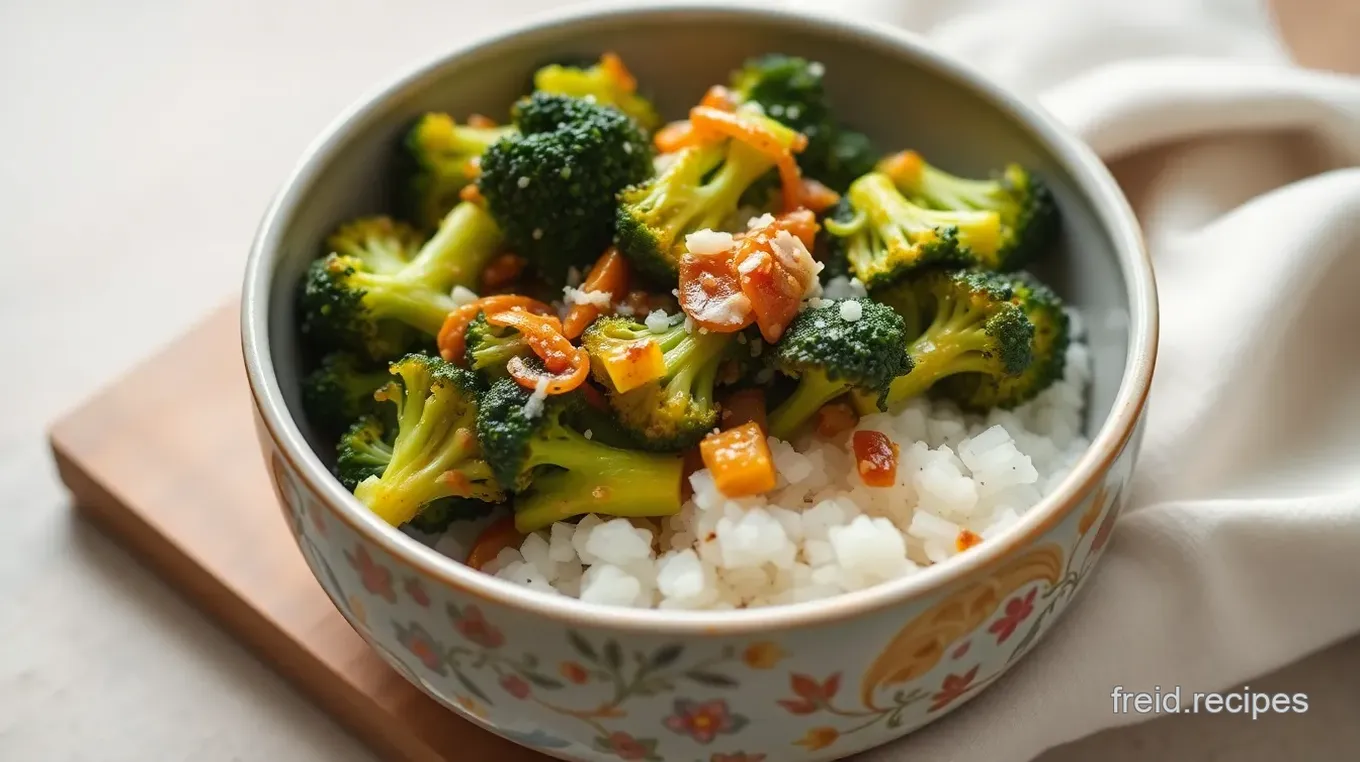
{"x":340,"y":390}
{"x":552,"y":188}
{"x":446,"y":156}
{"x":435,"y":453}
{"x":361,"y":297}
{"x":969,"y":324}
{"x":1045,"y":312}
{"x":675,"y":411}
{"x":1028,"y":215}
{"x":607,"y":81}
{"x":557,"y":473}
{"x":702,"y":187}
{"x":888,"y":237}
{"x":364,"y":452}
{"x":489,"y":348}
{"x":831,"y":355}
{"x":790,"y":89}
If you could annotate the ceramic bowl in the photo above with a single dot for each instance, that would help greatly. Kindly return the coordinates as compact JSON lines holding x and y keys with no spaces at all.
{"x":796,"y":683}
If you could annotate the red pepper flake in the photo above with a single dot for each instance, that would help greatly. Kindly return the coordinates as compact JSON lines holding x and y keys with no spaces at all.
{"x":876,"y":456}
{"x":966,"y":540}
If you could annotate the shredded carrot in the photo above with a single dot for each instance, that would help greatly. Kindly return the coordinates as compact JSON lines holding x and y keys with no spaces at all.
{"x":716,"y":121}
{"x":562,"y":383}
{"x":743,"y":407}
{"x":739,"y":460}
{"x":817,"y":197}
{"x":498,"y":535}
{"x":610,"y":274}
{"x":480,"y":121}
{"x":711,"y":294}
{"x":718,"y":97}
{"x":454,"y":331}
{"x":876,"y":457}
{"x":472,"y":194}
{"x":617,"y":71}
{"x":567,"y":366}
{"x":501,"y":271}
{"x":675,"y":136}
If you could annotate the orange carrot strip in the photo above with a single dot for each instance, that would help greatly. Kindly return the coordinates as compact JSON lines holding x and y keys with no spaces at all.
{"x":472,"y":194}
{"x":498,"y":535}
{"x":739,"y":460}
{"x":675,"y":136}
{"x":501,"y":271}
{"x":718,"y":97}
{"x":543,"y":334}
{"x":562,"y":383}
{"x":615,"y":68}
{"x":480,"y":121}
{"x":610,"y":274}
{"x":454,"y":331}
{"x":817,"y":197}
{"x":713,"y":120}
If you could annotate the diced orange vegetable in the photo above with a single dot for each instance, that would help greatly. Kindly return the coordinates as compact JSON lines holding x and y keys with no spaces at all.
{"x":454,"y":330}
{"x":876,"y":458}
{"x":472,"y":194}
{"x":501,"y":271}
{"x":774,"y":280}
{"x":498,"y":535}
{"x":675,"y":136}
{"x":634,"y":364}
{"x":904,"y":167}
{"x":481,"y":121}
{"x":836,"y":418}
{"x":711,"y":294}
{"x":610,"y":274}
{"x":966,"y":540}
{"x":743,"y":407}
{"x":739,"y":460}
{"x":718,"y":97}
{"x":817,"y":197}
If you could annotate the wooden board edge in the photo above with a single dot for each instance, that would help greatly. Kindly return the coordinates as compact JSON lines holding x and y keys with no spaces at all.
{"x":205,"y":592}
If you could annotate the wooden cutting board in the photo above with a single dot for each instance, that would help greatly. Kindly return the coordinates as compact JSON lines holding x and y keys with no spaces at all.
{"x":166,"y":461}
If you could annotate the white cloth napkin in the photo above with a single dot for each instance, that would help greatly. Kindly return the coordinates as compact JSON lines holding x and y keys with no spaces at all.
{"x":1240,"y":551}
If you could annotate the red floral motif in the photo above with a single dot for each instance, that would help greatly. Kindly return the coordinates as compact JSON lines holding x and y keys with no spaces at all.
{"x":472,"y":625}
{"x":961,"y":650}
{"x":811,"y":694}
{"x":740,"y":756}
{"x":515,"y":686}
{"x":1018,"y":610}
{"x":421,"y":645}
{"x":624,"y":746}
{"x":376,"y":578}
{"x":953,"y":687}
{"x":417,"y":592}
{"x":704,"y":721}
{"x":574,"y":672}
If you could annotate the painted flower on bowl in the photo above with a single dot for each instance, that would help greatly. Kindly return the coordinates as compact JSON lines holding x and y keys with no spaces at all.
{"x":470,"y":623}
{"x":704,"y":721}
{"x":624,"y":746}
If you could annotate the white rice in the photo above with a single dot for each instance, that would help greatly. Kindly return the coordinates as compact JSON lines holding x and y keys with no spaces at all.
{"x":821,"y":532}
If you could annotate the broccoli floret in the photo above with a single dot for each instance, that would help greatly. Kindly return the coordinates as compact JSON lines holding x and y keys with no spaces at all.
{"x":435,"y":454}
{"x":356,"y":298}
{"x":1028,"y":215}
{"x":553,"y":187}
{"x":830,"y":355}
{"x":362,"y":452}
{"x":340,"y":390}
{"x":489,"y":348}
{"x":557,"y":473}
{"x":608,"y":82}
{"x":971,"y":325}
{"x":1048,"y":350}
{"x":446,"y":156}
{"x":700,"y":188}
{"x":888,"y":237}
{"x":676,"y":410}
{"x":791,"y":90}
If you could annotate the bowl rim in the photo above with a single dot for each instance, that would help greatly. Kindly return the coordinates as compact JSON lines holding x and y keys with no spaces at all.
{"x":1091,"y":177}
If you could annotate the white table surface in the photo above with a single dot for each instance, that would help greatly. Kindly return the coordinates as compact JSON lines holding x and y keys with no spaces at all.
{"x":141,"y":142}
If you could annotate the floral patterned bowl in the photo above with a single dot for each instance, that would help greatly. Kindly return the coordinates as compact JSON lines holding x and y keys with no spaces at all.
{"x":796,"y":683}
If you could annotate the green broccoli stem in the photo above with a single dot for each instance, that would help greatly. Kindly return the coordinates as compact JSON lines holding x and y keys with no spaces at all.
{"x":456,"y":254}
{"x":695,"y":358}
{"x":952,"y":344}
{"x":714,"y":199}
{"x":814,"y":390}
{"x":434,"y":456}
{"x":940,"y":189}
{"x":598,"y":479}
{"x":889,"y":211}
